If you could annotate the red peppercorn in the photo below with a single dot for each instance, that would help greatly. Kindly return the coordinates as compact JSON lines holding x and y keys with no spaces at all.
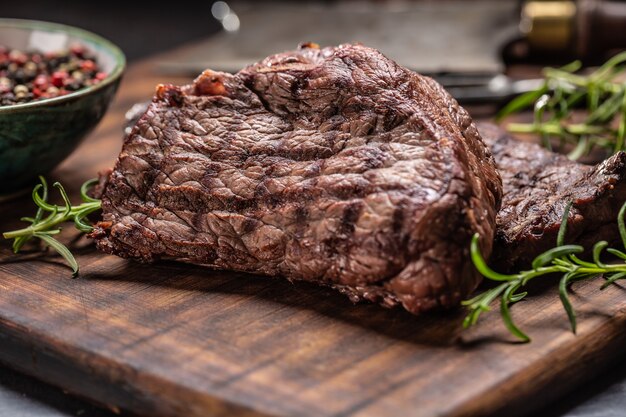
{"x":58,"y":77}
{"x":77,"y":50}
{"x":37,"y":92}
{"x":88,"y":65}
{"x":41,"y":81}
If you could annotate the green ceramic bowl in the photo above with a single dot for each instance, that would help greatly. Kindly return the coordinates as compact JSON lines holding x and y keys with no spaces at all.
{"x":36,"y":136}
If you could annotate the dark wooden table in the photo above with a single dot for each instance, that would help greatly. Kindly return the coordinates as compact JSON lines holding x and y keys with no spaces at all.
{"x":249,"y":345}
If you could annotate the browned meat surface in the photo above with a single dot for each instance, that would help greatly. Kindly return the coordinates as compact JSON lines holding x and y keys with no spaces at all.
{"x":538,"y":184}
{"x":330,"y":165}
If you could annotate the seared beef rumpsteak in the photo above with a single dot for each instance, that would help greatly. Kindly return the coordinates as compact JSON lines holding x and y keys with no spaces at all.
{"x":333,"y":165}
{"x":538,"y":184}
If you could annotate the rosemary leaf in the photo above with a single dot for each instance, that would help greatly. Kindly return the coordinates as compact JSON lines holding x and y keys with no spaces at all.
{"x":551,"y":254}
{"x":61,"y":249}
{"x":481,"y":265}
{"x":522,"y":102}
{"x":567,"y":305}
{"x":612,"y":279}
{"x":84,"y":189}
{"x":560,"y":237}
{"x":506,"y":314}
{"x":620,"y":224}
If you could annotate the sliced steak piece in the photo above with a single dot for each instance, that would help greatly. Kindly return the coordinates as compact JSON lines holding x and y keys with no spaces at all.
{"x":330,"y":165}
{"x":538,"y":184}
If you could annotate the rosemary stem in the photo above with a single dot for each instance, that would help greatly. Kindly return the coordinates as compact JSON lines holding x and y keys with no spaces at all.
{"x":561,"y":259}
{"x":61,"y":217}
{"x":45,"y":228}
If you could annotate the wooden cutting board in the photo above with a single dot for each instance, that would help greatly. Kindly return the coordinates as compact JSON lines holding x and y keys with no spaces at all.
{"x":171,"y":339}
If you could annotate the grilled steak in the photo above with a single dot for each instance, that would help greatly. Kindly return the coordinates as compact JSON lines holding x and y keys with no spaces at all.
{"x":538,"y":184}
{"x":333,"y":165}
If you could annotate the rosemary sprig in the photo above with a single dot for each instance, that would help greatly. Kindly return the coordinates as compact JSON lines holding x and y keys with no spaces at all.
{"x":561,"y":259}
{"x":44,"y":228}
{"x":554,"y":103}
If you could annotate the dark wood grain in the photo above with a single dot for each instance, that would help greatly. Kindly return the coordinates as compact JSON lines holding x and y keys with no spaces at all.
{"x":172,"y":339}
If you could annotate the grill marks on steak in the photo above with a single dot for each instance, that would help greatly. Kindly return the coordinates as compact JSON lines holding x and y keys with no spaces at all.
{"x":331,"y":165}
{"x":538,"y":184}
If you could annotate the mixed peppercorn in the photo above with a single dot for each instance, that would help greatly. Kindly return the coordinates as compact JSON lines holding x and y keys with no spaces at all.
{"x":29,"y":76}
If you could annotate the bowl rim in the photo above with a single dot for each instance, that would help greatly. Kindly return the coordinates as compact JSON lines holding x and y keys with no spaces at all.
{"x":113,"y":76}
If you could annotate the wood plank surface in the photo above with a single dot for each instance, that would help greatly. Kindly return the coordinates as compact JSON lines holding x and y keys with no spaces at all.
{"x":171,"y":339}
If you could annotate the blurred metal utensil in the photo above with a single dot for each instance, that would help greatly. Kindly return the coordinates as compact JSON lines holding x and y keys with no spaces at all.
{"x":450,"y":36}
{"x":456,"y":42}
{"x":494,"y":88}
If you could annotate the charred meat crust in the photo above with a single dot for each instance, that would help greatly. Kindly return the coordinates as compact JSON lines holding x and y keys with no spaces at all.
{"x":333,"y":165}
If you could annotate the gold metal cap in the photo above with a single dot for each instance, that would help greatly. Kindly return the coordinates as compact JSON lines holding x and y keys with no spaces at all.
{"x":549,"y":25}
